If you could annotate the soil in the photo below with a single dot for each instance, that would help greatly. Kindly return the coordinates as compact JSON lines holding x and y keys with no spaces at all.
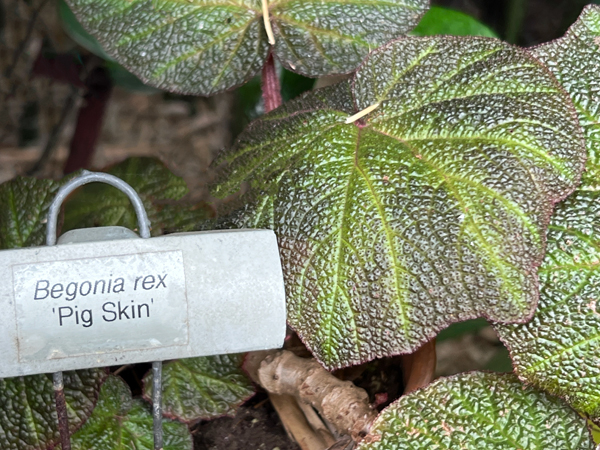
{"x":256,"y":426}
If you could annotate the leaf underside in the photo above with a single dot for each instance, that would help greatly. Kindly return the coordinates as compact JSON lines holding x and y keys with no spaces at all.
{"x":205,"y":46}
{"x":478,"y":411}
{"x":28,"y":419}
{"x":122,"y":423}
{"x":202,"y":388}
{"x":433,"y":210}
{"x":559,"y":350}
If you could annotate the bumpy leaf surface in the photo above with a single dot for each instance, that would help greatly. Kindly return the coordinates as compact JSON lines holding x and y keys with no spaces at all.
{"x":27,"y":409}
{"x":202,"y":388}
{"x":559,"y":350}
{"x":28,"y":418}
{"x":574,"y":59}
{"x":98,"y":204}
{"x":431,"y":211}
{"x":24,"y":203}
{"x":206,"y":46}
{"x":478,"y":411}
{"x":120,"y":423}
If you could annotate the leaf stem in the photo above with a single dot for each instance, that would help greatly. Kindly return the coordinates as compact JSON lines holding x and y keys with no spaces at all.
{"x":271,"y":91}
{"x":267,"y":21}
{"x":61,"y":410}
{"x":362,"y":113}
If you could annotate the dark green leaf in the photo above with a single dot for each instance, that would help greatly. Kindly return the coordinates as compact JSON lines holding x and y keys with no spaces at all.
{"x":126,"y":80}
{"x":120,"y":423}
{"x":458,"y":329}
{"x":500,"y":362}
{"x":77,"y":32}
{"x":25,"y":202}
{"x":316,"y":37}
{"x":27,"y":409}
{"x":178,"y":218}
{"x":102,"y":205}
{"x":118,"y":74}
{"x":28,"y":418}
{"x":203,"y":47}
{"x":559,"y":350}
{"x":292,"y":85}
{"x":248,"y":105}
{"x":432,"y":211}
{"x":573,"y":59}
{"x":202,"y":388}
{"x":440,"y":20}
{"x":477,"y":411}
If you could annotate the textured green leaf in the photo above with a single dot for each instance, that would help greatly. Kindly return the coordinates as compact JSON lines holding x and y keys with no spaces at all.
{"x":121,"y":423}
{"x":102,"y":205}
{"x":316,"y":37}
{"x":559,"y":350}
{"x":202,"y":47}
{"x":77,"y":32}
{"x":440,"y":20}
{"x":432,"y":211}
{"x":24,"y":203}
{"x":28,"y":418}
{"x":118,"y":74}
{"x":202,"y":388}
{"x":573,"y":59}
{"x":478,"y":411}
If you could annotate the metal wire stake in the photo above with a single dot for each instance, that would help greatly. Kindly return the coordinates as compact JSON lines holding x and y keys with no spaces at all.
{"x":61,"y":410}
{"x":157,"y":404}
{"x":144,"y":230}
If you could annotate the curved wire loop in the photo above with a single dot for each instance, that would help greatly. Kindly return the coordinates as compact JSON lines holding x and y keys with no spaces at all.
{"x":92,"y":177}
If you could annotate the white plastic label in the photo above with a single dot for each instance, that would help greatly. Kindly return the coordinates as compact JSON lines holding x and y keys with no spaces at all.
{"x":92,"y":305}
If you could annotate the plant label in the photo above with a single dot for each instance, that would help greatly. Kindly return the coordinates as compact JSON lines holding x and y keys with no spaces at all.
{"x":92,"y":304}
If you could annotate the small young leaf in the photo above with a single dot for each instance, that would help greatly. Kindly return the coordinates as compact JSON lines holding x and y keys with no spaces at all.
{"x":121,"y":423}
{"x":477,"y":411}
{"x":446,"y":21}
{"x":28,"y":418}
{"x":25,"y":202}
{"x":430,"y":210}
{"x":202,"y":388}
{"x":203,"y":47}
{"x":559,"y":350}
{"x":98,"y":204}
